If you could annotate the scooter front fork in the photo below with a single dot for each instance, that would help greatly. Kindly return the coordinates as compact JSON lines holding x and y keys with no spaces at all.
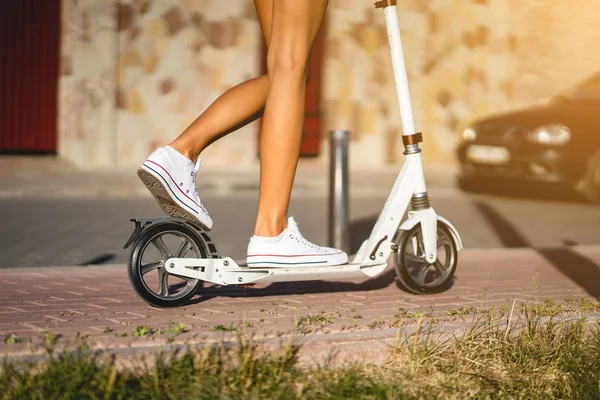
{"x":427,"y":217}
{"x":420,"y":208}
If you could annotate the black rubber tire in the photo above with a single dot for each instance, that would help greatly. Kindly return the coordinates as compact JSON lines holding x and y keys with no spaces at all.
{"x":404,"y":275}
{"x":134,"y":271}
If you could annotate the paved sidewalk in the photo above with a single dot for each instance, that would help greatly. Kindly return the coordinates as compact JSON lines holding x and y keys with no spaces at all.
{"x":62,"y":305}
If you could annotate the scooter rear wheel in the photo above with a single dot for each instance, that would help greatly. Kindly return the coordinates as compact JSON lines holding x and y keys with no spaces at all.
{"x":153,"y":247}
{"x":418,"y":275}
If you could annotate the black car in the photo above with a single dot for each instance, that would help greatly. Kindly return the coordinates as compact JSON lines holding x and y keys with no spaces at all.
{"x":554,"y":142}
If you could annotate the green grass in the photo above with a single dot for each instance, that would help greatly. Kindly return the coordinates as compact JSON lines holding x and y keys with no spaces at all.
{"x":142,"y":330}
{"x":321,"y":319}
{"x":223,"y":328}
{"x":538,"y":356}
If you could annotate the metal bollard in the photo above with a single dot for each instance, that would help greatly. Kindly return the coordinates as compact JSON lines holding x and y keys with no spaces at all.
{"x":339,"y":230}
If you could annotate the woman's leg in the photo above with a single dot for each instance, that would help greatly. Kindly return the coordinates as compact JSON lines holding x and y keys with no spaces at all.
{"x":169,"y":172}
{"x":236,"y":107}
{"x":294,"y":27}
{"x":277,"y":241}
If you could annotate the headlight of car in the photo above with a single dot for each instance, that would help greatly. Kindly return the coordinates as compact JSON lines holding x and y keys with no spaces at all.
{"x":555,"y":134}
{"x":469,"y":134}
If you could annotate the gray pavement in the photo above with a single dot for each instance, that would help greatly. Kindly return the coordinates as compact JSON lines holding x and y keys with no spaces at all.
{"x":82,"y":231}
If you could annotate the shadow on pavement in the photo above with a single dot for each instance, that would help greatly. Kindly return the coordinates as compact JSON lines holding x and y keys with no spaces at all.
{"x":508,"y":234}
{"x":360,"y":231}
{"x":98,"y":260}
{"x":578,"y":268}
{"x":581,"y":270}
{"x":307,"y":287}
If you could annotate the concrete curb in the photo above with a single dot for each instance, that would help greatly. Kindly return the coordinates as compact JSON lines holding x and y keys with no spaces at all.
{"x":121,"y":184}
{"x":371,"y":347}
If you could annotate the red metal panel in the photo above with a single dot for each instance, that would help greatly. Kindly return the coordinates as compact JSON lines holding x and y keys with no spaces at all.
{"x":311,"y":138}
{"x":29,"y":67}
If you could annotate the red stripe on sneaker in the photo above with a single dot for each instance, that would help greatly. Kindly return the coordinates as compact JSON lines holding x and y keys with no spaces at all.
{"x":294,"y":255}
{"x":176,"y":185}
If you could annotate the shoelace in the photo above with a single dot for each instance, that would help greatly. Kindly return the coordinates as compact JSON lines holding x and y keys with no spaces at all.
{"x":194,"y":187}
{"x":193,"y":173}
{"x":302,"y":240}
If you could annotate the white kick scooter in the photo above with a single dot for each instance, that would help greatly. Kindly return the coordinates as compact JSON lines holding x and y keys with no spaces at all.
{"x":424,"y":247}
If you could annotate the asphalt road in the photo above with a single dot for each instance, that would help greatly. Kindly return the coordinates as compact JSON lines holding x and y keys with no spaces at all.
{"x":67,"y":232}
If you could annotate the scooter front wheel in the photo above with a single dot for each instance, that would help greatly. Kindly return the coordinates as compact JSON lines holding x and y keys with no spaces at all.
{"x":147,"y":271}
{"x":415,"y":273}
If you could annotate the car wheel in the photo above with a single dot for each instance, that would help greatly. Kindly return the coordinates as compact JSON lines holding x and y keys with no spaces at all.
{"x":590,"y":184}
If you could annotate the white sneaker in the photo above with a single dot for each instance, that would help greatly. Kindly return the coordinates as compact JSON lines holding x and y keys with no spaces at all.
{"x":290,"y":249}
{"x":174,"y":187}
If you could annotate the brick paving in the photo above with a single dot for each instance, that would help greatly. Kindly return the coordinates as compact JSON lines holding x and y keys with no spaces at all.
{"x":98,"y":303}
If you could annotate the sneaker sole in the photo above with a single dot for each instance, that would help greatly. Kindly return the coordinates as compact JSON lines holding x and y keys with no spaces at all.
{"x":164,"y":200}
{"x":298,"y":262}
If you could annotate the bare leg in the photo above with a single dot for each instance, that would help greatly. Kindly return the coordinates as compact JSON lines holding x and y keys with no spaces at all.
{"x":294,"y":27}
{"x":236,"y":107}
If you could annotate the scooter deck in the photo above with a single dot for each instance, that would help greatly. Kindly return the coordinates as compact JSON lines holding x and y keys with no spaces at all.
{"x":226,"y":271}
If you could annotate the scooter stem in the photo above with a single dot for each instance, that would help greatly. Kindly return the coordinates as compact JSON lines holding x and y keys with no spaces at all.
{"x":398,"y":65}
{"x":410,"y":136}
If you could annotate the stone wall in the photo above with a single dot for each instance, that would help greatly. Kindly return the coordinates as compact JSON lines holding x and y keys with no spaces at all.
{"x":87,"y":114}
{"x":557,"y":45}
{"x":459,"y":63}
{"x":137,"y":72}
{"x":175,"y":58}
